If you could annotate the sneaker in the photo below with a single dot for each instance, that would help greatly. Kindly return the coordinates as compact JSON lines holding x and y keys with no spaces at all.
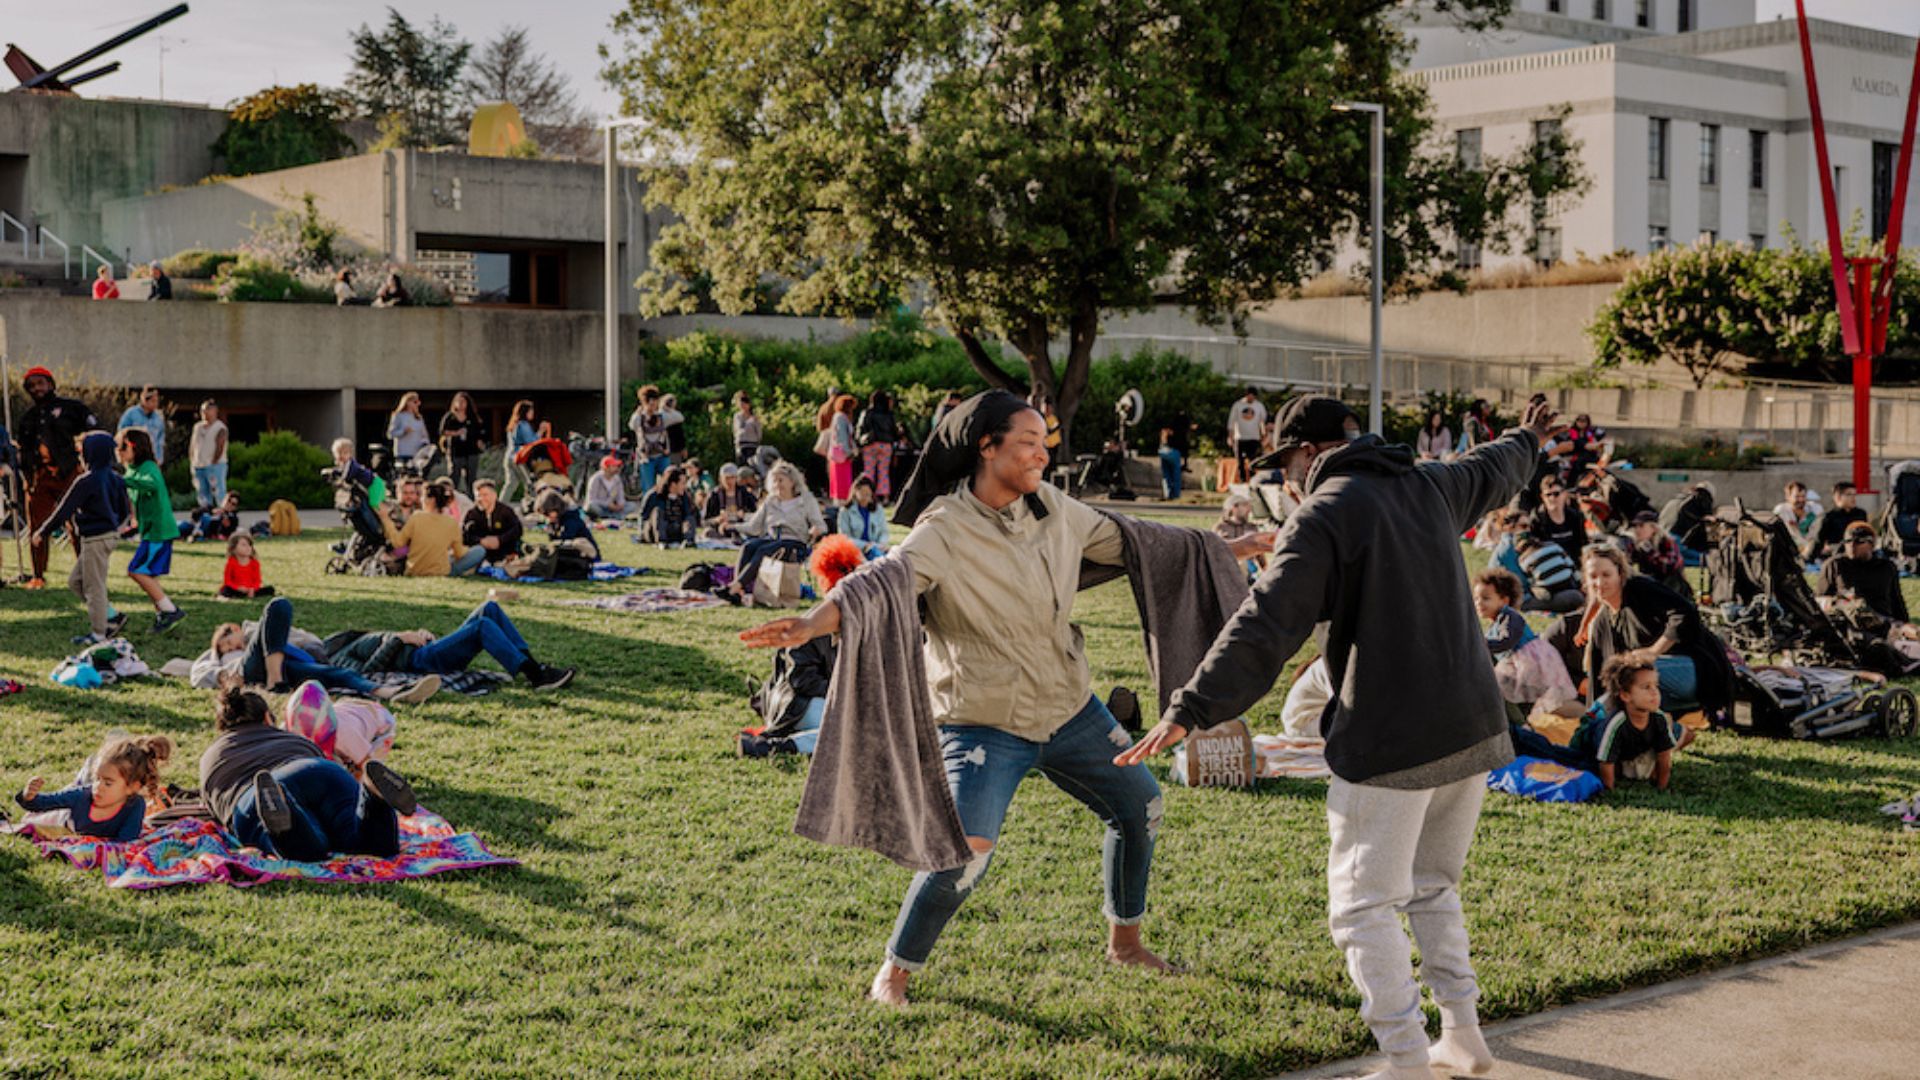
{"x":270,"y":801}
{"x":35,"y":583}
{"x":167,"y":620}
{"x":87,"y":640}
{"x":115,"y":626}
{"x":392,"y":788}
{"x":422,"y":689}
{"x":747,"y":745}
{"x":551,"y":678}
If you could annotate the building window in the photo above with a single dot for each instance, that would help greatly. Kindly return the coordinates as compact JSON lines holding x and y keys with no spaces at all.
{"x":1709,"y":155}
{"x":1657,"y":148}
{"x":1466,"y":148}
{"x":1840,"y":190}
{"x":1711,"y":236}
{"x":1600,"y":10}
{"x":1686,"y":15}
{"x":1757,"y":160}
{"x":1657,"y":238}
{"x":1643,"y":14}
{"x":1553,"y":7}
{"x":1757,"y":240}
{"x":1467,"y":256}
{"x":1546,"y":246}
{"x":1886,"y":157}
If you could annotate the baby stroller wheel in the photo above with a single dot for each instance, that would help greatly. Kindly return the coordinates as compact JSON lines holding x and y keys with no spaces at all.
{"x":1899,"y":712}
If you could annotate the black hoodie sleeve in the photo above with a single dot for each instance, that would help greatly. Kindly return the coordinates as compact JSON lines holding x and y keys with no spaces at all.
{"x":1290,"y":598}
{"x":1485,"y":477}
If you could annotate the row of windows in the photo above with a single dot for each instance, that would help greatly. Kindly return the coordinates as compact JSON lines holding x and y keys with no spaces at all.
{"x":1658,"y":130}
{"x":1642,"y":12}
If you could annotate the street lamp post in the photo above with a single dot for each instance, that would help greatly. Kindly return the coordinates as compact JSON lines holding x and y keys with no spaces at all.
{"x":1378,"y":115}
{"x":610,"y":305}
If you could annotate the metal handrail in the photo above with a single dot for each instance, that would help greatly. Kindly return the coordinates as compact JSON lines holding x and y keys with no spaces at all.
{"x":47,"y":234}
{"x":85,"y":251}
{"x":25,"y":236}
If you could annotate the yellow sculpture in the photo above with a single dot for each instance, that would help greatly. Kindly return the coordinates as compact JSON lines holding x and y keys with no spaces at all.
{"x":497,"y":131}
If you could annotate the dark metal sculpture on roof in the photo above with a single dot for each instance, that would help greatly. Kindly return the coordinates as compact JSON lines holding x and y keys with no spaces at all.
{"x":34,"y":77}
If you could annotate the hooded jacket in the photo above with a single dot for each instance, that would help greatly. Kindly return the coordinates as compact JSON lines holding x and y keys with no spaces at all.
{"x":1374,"y":553}
{"x":51,"y":425}
{"x":97,"y":501}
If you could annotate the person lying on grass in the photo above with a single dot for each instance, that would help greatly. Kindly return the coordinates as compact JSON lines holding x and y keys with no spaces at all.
{"x":276,"y":791}
{"x":261,"y":654}
{"x":113,"y":805}
{"x":419,"y":652}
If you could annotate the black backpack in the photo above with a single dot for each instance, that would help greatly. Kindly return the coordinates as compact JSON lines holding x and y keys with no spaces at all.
{"x":698,"y":577}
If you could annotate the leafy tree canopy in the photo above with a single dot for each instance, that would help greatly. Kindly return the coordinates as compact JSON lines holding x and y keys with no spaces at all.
{"x":1031,"y":166}
{"x":409,"y":78}
{"x":282,"y":127}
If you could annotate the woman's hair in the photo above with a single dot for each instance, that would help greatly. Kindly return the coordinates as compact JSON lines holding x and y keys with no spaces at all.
{"x":1436,"y":420}
{"x":863,"y":481}
{"x":1618,"y":673}
{"x":459,"y":397}
{"x":879,"y":400}
{"x":741,"y":397}
{"x":999,"y":432}
{"x":1608,"y":552}
{"x":646,"y":393}
{"x":522,"y":410}
{"x":552,"y":503}
{"x":411,"y":397}
{"x":1503,"y":584}
{"x":792,"y":472}
{"x":1550,"y":481}
{"x":137,"y":758}
{"x":845,"y":403}
{"x":344,"y":275}
{"x":342,"y":443}
{"x":223,"y":629}
{"x":237,"y":706}
{"x":141,"y":442}
{"x":233,"y":545}
{"x":440,"y":497}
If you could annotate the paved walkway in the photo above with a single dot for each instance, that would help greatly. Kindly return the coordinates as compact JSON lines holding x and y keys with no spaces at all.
{"x":1842,"y":1010}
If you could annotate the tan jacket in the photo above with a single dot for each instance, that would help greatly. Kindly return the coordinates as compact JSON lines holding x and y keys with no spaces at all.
{"x":1002,"y":650}
{"x":428,"y":536}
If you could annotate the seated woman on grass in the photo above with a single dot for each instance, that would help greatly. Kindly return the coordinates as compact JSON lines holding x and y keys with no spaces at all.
{"x":1630,"y":614}
{"x":262,"y":655}
{"x":787,"y":521}
{"x":276,"y":791}
{"x":432,"y":538}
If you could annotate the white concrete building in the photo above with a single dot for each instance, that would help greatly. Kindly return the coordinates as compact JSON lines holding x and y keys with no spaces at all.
{"x":1693,"y":117}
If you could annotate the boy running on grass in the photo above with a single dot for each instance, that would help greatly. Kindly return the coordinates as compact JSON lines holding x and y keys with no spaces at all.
{"x":1417,"y":721}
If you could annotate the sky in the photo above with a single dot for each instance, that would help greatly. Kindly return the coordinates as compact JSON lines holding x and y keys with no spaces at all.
{"x":227,"y":49}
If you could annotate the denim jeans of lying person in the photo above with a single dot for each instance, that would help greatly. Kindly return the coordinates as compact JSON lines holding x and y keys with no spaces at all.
{"x":984,"y":768}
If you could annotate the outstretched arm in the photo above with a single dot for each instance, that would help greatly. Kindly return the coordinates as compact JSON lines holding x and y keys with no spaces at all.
{"x":792,"y":632}
{"x":1489,"y":474}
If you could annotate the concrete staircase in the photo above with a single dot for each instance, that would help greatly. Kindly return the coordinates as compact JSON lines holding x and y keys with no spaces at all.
{"x":39,"y":276}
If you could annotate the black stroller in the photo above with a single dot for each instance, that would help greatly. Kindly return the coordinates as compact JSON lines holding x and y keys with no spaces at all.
{"x":1899,"y":520}
{"x":361,"y":552}
{"x":1819,"y":703}
{"x":1761,"y":602}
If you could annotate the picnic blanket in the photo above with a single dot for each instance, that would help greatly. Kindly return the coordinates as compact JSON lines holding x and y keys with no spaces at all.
{"x":651,"y":601}
{"x":602,"y":571}
{"x":471,"y":683}
{"x":194,"y":851}
{"x":704,"y":543}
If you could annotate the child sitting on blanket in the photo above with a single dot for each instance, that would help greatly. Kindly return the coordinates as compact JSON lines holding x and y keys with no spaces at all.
{"x":1529,"y":671}
{"x":564,"y":523}
{"x":1637,"y":741}
{"x":242,"y":578}
{"x":113,"y":806}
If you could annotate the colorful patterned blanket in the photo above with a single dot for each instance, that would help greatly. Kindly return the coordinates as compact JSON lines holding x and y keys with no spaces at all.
{"x":651,"y":601}
{"x":602,"y":571}
{"x":196,"y":852}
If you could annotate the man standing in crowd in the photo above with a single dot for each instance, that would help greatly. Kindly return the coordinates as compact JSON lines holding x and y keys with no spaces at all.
{"x":48,"y":437}
{"x":1411,"y":732}
{"x":1244,"y":423}
{"x":146,"y":415}
{"x":208,"y":456}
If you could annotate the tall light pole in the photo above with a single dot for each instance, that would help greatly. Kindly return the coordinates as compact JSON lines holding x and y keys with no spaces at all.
{"x":1376,"y":398}
{"x":610,"y":304}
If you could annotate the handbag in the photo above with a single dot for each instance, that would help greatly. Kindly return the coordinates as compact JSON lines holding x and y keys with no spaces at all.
{"x":777,"y":585}
{"x":823,"y":442}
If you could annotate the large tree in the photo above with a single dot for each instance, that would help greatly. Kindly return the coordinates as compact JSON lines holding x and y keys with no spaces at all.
{"x":408,"y":78}
{"x":281,"y":127}
{"x":1029,"y":166}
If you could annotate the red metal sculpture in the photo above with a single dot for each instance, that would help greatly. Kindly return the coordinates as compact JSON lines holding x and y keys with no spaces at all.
{"x":1862,"y":284}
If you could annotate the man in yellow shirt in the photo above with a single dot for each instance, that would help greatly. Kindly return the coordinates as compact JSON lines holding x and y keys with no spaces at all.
{"x":432,"y":539}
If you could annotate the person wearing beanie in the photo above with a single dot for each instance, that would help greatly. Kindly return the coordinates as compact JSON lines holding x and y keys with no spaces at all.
{"x":48,"y":437}
{"x":1411,"y":733}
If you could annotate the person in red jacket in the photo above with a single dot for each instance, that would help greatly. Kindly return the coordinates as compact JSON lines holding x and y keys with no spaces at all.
{"x":104,"y":287}
{"x":242,"y":579}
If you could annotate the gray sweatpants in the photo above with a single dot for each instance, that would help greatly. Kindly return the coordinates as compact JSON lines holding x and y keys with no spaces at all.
{"x":1396,"y":852}
{"x":88,"y":578}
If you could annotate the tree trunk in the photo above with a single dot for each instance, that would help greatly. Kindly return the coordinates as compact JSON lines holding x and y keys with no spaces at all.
{"x":1083,"y":329}
{"x":983,"y":364}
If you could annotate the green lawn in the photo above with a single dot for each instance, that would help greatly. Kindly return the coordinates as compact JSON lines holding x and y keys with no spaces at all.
{"x":667,"y":922}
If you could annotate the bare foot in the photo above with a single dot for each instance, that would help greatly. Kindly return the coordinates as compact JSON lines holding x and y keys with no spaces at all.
{"x":1125,"y":947}
{"x":890,"y":986}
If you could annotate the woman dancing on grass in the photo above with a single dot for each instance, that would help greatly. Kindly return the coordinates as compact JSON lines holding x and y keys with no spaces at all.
{"x":996,"y":560}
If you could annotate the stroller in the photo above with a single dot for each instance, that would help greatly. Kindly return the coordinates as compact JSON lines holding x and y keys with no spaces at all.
{"x":360,"y":553}
{"x":1819,"y":703}
{"x":1761,"y":602}
{"x":1900,"y":518}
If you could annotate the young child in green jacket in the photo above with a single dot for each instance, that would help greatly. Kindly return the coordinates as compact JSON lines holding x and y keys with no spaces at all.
{"x":153,"y":510}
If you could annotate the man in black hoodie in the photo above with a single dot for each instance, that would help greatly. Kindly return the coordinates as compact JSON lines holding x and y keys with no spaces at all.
{"x":1418,"y":721}
{"x":49,"y":455}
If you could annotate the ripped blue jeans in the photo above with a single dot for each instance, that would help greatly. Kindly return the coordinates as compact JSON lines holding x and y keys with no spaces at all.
{"x":985,"y":766}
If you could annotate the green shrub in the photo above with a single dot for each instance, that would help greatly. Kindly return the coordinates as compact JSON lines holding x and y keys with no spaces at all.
{"x":279,"y":466}
{"x":197,"y":263}
{"x":1710,"y":453}
{"x":250,"y":279}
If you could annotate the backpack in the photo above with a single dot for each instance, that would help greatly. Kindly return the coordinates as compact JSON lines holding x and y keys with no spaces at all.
{"x":698,"y":577}
{"x":875,"y":427}
{"x":283,"y":518}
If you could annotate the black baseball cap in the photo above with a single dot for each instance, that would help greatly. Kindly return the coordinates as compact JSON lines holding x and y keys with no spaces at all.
{"x":1310,"y":419}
